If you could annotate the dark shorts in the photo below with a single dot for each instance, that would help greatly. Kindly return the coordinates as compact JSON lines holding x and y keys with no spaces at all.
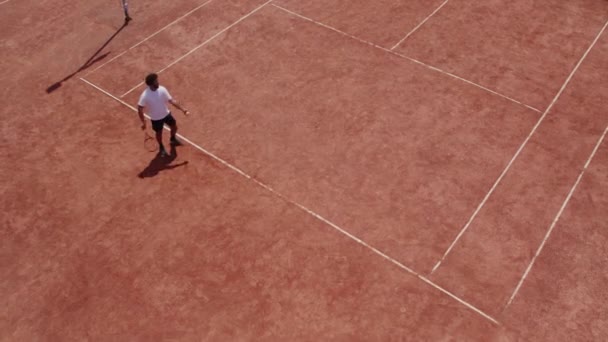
{"x":157,"y":125}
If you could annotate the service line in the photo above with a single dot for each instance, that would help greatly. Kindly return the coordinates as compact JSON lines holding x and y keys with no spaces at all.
{"x":150,"y":36}
{"x":202,"y":44}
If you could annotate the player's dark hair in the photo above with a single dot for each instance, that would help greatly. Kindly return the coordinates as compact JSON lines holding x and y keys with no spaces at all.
{"x":151,"y":78}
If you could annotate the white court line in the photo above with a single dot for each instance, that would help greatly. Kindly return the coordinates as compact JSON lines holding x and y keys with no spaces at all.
{"x":202,"y":44}
{"x":504,"y":172}
{"x":5,"y":1}
{"x":557,"y":217}
{"x":467,"y":81}
{"x":408,"y":58}
{"x":419,"y":25}
{"x":312,"y":213}
{"x":149,"y":37}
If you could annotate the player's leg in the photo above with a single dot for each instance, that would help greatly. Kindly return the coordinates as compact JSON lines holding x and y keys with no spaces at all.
{"x":170,"y":120}
{"x":157,"y":126}
{"x":125,"y":6}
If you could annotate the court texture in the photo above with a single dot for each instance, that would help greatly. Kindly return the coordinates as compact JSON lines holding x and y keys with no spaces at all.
{"x":386,"y":170}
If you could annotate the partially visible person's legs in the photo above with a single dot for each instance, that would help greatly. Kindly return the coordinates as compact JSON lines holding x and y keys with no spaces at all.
{"x":157,"y":126}
{"x":125,"y":6}
{"x":170,"y":121}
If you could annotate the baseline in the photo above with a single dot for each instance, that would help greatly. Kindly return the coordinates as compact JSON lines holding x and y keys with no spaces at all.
{"x":406,"y":57}
{"x":312,"y":213}
{"x":149,"y":37}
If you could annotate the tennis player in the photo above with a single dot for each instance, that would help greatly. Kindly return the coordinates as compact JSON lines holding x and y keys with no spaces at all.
{"x":155,"y":99}
{"x":125,"y":6}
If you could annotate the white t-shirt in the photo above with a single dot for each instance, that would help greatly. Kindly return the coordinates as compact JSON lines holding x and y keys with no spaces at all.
{"x":155,"y":102}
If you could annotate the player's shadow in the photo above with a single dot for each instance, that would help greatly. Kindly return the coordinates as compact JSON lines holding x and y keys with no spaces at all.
{"x":161,"y":163}
{"x":94,"y":59}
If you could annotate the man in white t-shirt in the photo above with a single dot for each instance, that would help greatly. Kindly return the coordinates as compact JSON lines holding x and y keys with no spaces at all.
{"x":155,"y":99}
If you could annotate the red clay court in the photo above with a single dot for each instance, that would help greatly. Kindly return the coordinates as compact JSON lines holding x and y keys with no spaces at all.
{"x":388,"y":170}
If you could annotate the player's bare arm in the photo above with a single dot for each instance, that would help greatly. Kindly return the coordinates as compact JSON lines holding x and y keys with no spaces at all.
{"x":178,"y":106}
{"x":140,"y":112}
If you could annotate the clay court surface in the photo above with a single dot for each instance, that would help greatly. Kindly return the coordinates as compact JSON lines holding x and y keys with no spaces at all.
{"x":388,"y":170}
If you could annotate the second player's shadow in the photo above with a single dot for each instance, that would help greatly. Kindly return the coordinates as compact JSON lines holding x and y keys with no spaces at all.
{"x":161,"y":163}
{"x":94,"y":59}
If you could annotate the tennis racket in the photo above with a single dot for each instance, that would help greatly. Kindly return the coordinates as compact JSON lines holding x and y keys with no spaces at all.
{"x":150,"y":143}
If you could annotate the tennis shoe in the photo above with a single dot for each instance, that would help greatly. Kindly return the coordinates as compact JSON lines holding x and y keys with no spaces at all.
{"x":175,"y":142}
{"x":162,"y":152}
